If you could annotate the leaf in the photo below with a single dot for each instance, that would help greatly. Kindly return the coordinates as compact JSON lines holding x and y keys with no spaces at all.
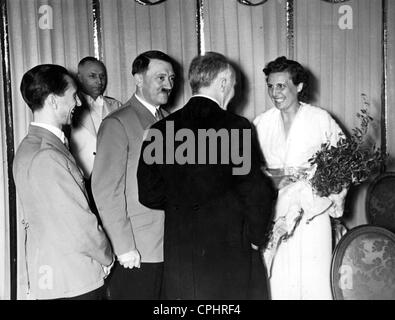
{"x":349,"y":162}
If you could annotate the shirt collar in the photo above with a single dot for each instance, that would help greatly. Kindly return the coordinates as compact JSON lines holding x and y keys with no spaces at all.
{"x":99,"y":102}
{"x":56,"y":131}
{"x":205,"y":96}
{"x":149,"y":106}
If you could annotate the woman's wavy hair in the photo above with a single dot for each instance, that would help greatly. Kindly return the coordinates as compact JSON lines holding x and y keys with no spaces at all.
{"x":295,"y":69}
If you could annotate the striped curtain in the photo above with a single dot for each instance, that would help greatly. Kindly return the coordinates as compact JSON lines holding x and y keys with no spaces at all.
{"x":4,"y":234}
{"x":391,"y":84}
{"x":341,"y":44}
{"x":130,"y":29}
{"x":52,"y":31}
{"x":250,"y":37}
{"x":344,"y":56}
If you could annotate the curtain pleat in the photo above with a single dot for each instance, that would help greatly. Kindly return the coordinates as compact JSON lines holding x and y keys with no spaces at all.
{"x":65,"y":44}
{"x":4,"y":222}
{"x":391,"y":87}
{"x":345,"y":63}
{"x":130,"y":29}
{"x":250,"y":37}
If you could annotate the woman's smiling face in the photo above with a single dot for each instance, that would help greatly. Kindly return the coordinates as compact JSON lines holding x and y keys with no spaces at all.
{"x":283,"y":92}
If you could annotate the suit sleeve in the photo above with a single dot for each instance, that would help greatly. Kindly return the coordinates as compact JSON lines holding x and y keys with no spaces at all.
{"x":76,"y":227}
{"x":257,"y":195}
{"x":109,"y":184}
{"x":150,"y":183}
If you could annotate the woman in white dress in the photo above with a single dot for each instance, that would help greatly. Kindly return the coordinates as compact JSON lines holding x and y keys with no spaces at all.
{"x":289,"y":135}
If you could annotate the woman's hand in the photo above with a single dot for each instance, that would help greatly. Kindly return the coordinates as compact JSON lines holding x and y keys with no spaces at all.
{"x":338,"y":203}
{"x":283,"y":181}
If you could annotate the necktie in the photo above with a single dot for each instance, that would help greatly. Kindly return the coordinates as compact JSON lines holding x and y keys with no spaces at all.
{"x":159,"y":114}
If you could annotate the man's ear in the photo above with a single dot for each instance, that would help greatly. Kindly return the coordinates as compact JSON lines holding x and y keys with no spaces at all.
{"x":138,"y":78}
{"x":223,"y":83}
{"x":51,"y":101}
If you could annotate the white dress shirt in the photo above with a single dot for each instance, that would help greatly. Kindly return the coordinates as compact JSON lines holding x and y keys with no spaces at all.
{"x":96,"y":110}
{"x":56,"y":131}
{"x":153,"y":109}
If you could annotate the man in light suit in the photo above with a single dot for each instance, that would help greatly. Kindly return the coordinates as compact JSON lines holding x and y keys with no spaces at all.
{"x":67,"y":252}
{"x":92,"y":76}
{"x":135,"y":231}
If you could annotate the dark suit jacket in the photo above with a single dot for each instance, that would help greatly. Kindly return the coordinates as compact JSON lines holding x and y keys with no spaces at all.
{"x":128,"y":224}
{"x":65,"y":246}
{"x":212,"y":216}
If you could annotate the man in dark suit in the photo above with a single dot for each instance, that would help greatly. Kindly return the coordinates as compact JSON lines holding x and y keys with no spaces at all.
{"x":67,"y":253}
{"x":217,"y":208}
{"x":135,"y":231}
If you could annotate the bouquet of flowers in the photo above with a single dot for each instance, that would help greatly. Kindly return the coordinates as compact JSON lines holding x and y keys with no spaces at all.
{"x":349,"y":162}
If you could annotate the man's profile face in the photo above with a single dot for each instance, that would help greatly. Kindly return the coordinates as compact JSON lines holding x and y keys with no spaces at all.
{"x":157,"y":82}
{"x":67,"y":102}
{"x":93,"y":78}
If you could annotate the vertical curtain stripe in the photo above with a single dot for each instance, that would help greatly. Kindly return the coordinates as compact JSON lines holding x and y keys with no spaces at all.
{"x":391,"y":84}
{"x":130,"y":29}
{"x":290,"y":29}
{"x":97,"y":30}
{"x":8,"y":252}
{"x":200,"y":26}
{"x":345,"y":62}
{"x":384,"y":93}
{"x":250,"y":36}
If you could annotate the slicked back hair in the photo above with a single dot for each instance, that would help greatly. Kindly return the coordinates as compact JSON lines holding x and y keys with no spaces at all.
{"x":141,"y":63}
{"x":42,"y":80}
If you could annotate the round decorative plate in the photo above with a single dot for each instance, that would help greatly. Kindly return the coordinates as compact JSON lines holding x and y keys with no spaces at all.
{"x":363,"y":265}
{"x":380,"y":201}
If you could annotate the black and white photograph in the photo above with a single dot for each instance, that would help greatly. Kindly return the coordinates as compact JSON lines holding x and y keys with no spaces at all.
{"x":197,"y":154}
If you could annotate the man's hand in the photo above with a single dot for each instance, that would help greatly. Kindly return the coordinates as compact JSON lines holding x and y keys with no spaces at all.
{"x":107,"y":269}
{"x":130,"y":259}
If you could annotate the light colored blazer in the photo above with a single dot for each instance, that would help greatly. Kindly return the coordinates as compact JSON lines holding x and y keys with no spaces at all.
{"x":65,"y":246}
{"x":128,"y":223}
{"x":83,"y":136}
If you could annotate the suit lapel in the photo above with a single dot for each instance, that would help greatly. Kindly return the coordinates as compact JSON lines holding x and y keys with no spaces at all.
{"x":146,"y":117}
